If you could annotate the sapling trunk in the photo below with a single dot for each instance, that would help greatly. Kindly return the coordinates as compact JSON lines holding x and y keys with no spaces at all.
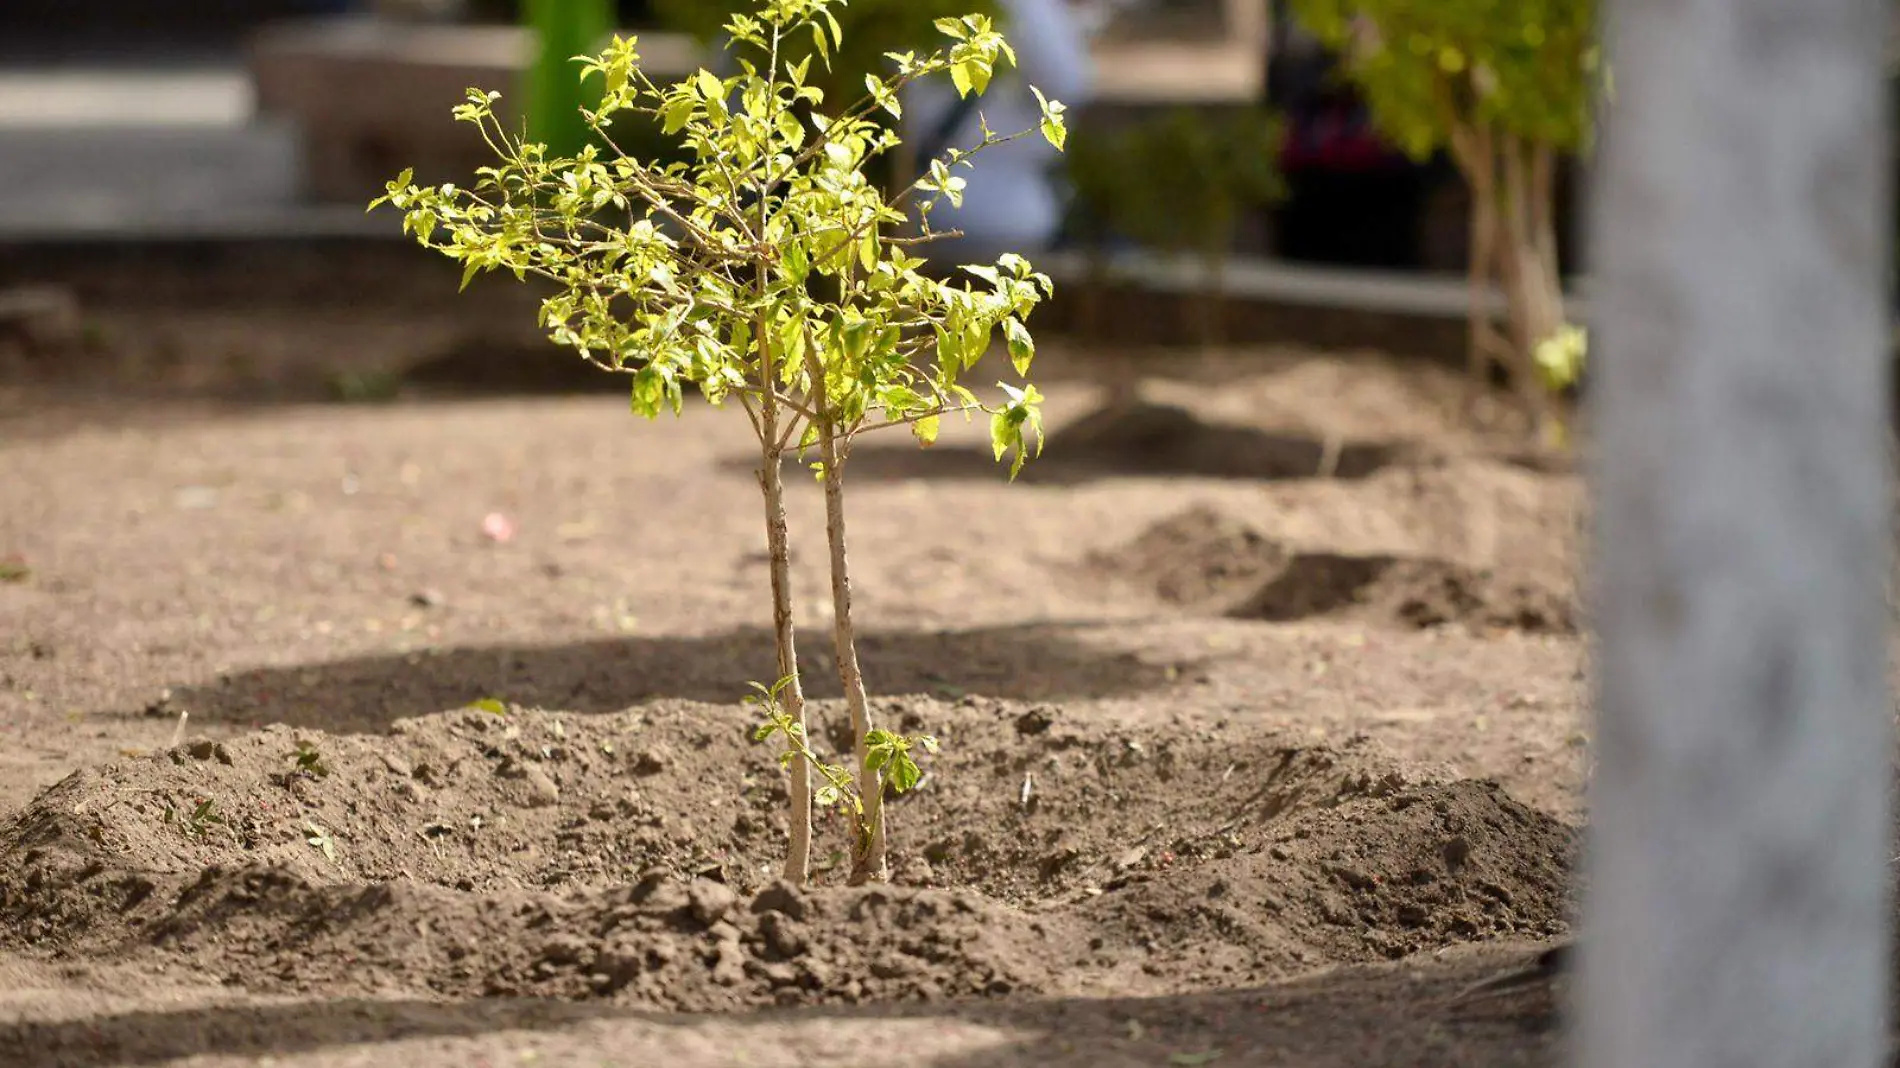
{"x":868,"y":853}
{"x":784,"y":631}
{"x":869,"y":861}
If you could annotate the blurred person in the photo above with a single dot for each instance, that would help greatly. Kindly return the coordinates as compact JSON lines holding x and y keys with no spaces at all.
{"x":1013,"y":200}
{"x":1353,"y":197}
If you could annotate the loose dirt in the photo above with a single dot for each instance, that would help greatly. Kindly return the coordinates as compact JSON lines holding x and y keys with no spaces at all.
{"x":1261,"y":736}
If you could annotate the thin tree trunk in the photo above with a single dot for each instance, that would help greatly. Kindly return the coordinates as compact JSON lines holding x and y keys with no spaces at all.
{"x":778,"y":543}
{"x":1534,"y":294}
{"x":1544,"y":207}
{"x":1476,"y":156}
{"x":868,"y":854}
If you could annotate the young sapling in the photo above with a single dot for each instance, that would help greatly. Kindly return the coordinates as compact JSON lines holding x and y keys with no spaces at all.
{"x":764,"y":267}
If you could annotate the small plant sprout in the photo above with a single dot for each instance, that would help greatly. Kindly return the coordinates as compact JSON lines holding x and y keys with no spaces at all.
{"x":321,"y":840}
{"x":204,"y":815}
{"x":309,"y":760}
{"x":764,"y":268}
{"x":887,"y":755}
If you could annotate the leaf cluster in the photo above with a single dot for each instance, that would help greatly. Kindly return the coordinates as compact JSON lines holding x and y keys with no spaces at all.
{"x":887,"y":754}
{"x":762,"y":264}
{"x":871,"y":28}
{"x":1527,"y":68}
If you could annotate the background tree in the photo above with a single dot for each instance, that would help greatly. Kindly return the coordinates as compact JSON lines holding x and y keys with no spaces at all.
{"x":1506,"y":87}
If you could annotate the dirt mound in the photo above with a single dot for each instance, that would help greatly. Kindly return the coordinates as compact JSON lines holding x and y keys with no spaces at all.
{"x":696,"y":945}
{"x":1392,"y":871}
{"x":1206,"y":560}
{"x":634,"y":856}
{"x":1141,"y":437}
{"x":1418,"y":592}
{"x":1198,"y":557}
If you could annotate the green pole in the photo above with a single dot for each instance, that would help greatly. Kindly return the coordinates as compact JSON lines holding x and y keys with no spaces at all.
{"x":554,"y":96}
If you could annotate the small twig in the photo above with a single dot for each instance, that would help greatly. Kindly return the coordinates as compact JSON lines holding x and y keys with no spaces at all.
{"x":1329,"y":454}
{"x":178,"y":732}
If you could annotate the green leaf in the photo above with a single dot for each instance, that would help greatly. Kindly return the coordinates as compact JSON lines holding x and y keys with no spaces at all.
{"x":676,"y":113}
{"x":822,"y":43}
{"x":950,"y":346}
{"x":952,"y":28}
{"x":904,"y":773}
{"x":1022,"y":347}
{"x":926,"y":429}
{"x":1054,"y":129}
{"x":489,"y":705}
{"x":963,"y":76}
{"x":710,"y":86}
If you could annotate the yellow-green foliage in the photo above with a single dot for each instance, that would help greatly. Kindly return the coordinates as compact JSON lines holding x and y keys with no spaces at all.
{"x":871,"y":28}
{"x":1523,"y":67}
{"x":765,"y":258}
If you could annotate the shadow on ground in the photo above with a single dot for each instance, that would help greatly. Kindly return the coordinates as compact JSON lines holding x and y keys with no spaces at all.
{"x":1147,"y":440}
{"x":1385,"y":1016}
{"x":1051,"y":661}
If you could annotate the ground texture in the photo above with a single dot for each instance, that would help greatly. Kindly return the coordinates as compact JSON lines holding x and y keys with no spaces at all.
{"x":1259,"y":698}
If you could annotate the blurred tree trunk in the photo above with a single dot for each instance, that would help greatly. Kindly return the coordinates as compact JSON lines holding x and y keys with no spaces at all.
{"x":1737,"y":912}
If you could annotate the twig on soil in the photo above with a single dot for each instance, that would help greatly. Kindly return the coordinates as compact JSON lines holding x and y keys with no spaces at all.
{"x":178,"y":733}
{"x":1029,"y":786}
{"x":1329,"y":454}
{"x":1551,"y":964}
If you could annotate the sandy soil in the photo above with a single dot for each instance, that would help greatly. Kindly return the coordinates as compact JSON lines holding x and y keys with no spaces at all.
{"x":1242,"y":764}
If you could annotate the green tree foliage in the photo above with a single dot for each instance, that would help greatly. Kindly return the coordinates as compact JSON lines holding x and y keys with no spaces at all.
{"x":1177,"y":182}
{"x":767,"y":272}
{"x":1505,"y":86}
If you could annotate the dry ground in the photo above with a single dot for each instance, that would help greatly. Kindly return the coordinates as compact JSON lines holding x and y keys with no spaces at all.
{"x":1302,"y":753}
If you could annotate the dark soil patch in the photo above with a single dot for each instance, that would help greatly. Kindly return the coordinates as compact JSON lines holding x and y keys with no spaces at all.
{"x":1198,"y":558}
{"x":634,"y":856}
{"x":1206,"y":560}
{"x":1412,"y":592}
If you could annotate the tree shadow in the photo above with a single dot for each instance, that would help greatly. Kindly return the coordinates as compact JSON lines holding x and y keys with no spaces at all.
{"x":1371,"y":1016}
{"x":1142,"y":440}
{"x":1048,"y":661}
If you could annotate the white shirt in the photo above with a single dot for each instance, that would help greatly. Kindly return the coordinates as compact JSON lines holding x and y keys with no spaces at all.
{"x":1010,"y":198}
